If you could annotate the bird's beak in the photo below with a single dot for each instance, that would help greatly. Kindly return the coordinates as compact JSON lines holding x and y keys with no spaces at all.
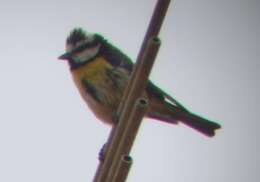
{"x":65,"y":56}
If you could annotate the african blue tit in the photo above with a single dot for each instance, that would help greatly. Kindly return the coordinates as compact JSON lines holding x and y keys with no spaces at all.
{"x":101,"y":71}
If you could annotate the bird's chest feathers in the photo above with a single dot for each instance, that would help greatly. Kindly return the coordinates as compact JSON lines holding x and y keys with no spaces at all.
{"x":91,"y":80}
{"x":92,"y":71}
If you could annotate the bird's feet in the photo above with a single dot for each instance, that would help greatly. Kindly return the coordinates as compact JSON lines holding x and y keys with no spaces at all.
{"x":102,"y":152}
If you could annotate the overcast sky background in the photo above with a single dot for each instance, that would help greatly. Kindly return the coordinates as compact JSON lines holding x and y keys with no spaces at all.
{"x":209,"y":61}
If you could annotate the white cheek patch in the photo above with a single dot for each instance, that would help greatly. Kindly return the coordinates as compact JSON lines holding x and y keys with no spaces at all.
{"x":90,"y":37}
{"x":87,"y":54}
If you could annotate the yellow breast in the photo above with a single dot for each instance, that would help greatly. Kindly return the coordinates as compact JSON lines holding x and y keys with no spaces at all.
{"x":92,"y":70}
{"x":95,"y":72}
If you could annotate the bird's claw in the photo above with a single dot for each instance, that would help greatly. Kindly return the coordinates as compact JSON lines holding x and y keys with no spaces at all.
{"x":102,"y":152}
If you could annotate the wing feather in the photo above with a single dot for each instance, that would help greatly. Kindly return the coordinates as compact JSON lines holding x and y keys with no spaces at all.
{"x":120,"y":60}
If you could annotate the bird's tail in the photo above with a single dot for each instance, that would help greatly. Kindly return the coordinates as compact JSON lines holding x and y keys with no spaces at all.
{"x":200,"y":124}
{"x":172,"y":114}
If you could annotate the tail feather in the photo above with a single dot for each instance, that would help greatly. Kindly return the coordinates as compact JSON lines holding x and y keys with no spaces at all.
{"x":200,"y":124}
{"x":172,"y":114}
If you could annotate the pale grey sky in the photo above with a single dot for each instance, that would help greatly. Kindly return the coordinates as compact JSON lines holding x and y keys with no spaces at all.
{"x":209,"y":60}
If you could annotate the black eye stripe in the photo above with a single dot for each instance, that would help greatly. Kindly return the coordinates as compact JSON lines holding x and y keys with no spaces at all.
{"x":84,"y":46}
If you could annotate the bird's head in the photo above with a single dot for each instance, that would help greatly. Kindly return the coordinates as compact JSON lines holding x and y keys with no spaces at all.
{"x":81,"y":47}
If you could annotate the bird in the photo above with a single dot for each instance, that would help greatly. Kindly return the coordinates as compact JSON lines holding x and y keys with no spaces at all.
{"x":101,"y":71}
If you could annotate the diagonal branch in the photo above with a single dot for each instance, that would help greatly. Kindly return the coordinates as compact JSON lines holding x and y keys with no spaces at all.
{"x":116,"y":148}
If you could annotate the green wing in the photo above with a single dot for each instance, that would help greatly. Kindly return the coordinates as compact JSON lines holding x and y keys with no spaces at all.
{"x":118,"y":59}
{"x":159,"y":93}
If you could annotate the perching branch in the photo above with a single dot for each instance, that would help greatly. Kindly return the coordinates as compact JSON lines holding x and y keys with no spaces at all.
{"x":132,"y":107}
